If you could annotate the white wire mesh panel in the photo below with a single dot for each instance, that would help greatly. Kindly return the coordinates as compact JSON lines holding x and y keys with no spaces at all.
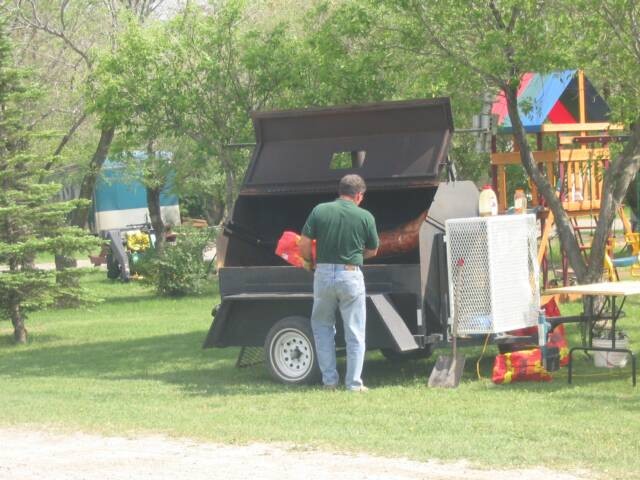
{"x":493,"y":273}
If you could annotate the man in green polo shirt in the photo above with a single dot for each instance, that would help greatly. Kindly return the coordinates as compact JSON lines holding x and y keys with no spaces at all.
{"x":345,"y":235}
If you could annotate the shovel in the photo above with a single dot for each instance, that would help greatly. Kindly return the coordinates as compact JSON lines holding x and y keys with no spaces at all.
{"x":448,"y":369}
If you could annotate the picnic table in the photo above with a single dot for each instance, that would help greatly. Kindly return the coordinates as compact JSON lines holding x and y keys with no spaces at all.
{"x":608,"y":310}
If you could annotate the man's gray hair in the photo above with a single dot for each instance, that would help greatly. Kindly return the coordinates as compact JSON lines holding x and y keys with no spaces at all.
{"x":352,"y":184}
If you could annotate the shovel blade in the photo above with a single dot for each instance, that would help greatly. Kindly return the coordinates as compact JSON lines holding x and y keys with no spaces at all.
{"x":447,"y":371}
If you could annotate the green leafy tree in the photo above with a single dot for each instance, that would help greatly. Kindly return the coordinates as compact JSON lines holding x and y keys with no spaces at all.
{"x":76,"y":32}
{"x":351,"y":52}
{"x":30,"y":222}
{"x":222,"y":68}
{"x":609,"y":48}
{"x":128,"y":91}
{"x":344,"y":57}
{"x":496,"y":42}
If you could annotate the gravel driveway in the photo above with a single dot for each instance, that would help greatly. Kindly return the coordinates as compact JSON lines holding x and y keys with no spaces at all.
{"x":34,"y":454}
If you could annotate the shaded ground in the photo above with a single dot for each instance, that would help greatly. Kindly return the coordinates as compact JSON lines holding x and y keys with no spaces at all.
{"x":35,"y":454}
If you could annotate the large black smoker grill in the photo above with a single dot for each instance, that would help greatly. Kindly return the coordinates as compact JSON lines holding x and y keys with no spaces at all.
{"x":400,"y":149}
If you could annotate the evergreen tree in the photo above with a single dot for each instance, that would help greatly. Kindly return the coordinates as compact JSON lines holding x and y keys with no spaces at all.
{"x":30,"y":221}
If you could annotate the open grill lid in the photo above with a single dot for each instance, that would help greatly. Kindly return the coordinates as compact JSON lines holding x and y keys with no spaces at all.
{"x":397,"y":144}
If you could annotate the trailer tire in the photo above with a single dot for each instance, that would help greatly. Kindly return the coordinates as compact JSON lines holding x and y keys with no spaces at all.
{"x":290,"y":352}
{"x":394,"y":356}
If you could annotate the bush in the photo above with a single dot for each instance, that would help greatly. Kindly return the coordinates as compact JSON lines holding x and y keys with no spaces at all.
{"x":181,"y":270}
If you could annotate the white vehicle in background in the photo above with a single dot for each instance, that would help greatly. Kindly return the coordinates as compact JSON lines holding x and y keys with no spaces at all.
{"x":121,"y":215}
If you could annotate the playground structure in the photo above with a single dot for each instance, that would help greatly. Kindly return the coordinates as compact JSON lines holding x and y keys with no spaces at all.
{"x":567,"y":120}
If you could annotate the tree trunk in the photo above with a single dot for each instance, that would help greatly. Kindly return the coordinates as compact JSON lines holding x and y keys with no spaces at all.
{"x":563,"y":223}
{"x":80,"y":214}
{"x":153,"y":202}
{"x":63,"y":142}
{"x":230,"y":197}
{"x":19,"y":330}
{"x":631,"y":199}
{"x":214,"y":210}
{"x":230,"y":181}
{"x":67,"y":282}
{"x":617,"y":179}
{"x":153,"y":199}
{"x":63,"y":262}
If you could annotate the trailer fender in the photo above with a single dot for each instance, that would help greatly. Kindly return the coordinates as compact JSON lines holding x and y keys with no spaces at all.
{"x":402,"y":337}
{"x":244,"y":320}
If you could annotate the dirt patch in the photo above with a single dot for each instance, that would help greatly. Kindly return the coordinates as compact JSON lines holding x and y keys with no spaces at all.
{"x":33,"y":454}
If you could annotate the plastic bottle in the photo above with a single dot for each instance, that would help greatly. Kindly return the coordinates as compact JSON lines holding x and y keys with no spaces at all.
{"x":488,"y":202}
{"x":520,"y":201}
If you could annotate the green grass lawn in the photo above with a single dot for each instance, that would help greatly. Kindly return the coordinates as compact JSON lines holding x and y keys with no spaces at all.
{"x":134,"y":364}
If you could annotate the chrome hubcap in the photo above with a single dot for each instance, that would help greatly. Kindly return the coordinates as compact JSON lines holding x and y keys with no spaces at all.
{"x":292,"y":353}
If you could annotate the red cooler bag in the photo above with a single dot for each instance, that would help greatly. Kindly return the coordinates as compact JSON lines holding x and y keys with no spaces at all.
{"x":289,"y":248}
{"x":521,"y":366}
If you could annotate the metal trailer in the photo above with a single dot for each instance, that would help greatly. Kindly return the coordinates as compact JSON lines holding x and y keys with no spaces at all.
{"x":400,"y":149}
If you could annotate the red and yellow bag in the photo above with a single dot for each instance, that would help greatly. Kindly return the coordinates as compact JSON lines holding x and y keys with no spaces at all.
{"x":288,"y":249}
{"x":522,"y":366}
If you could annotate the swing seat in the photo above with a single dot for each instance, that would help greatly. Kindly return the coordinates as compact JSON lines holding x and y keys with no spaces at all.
{"x":612,"y":264}
{"x":624,"y":261}
{"x":633,"y":240}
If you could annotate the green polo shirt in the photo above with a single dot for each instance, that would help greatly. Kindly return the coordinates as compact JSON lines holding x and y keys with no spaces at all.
{"x":342,"y":231}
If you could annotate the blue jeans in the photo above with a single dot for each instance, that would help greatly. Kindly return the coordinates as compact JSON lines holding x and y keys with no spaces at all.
{"x":336,"y":288}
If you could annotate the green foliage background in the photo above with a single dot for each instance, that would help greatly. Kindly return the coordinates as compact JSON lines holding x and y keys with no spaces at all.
{"x":181,"y":269}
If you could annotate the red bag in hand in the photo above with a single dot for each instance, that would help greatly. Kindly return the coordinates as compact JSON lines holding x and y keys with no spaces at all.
{"x":522,"y":366}
{"x":289,"y":249}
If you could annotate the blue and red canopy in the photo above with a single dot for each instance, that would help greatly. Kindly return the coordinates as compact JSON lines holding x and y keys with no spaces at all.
{"x":551,"y":98}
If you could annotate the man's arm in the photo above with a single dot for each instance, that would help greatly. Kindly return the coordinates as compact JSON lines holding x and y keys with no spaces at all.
{"x":373,"y":240}
{"x":368,"y":253}
{"x":305,"y":251}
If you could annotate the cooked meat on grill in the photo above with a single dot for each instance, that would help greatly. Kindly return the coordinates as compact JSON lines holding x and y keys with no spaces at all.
{"x":401,"y":239}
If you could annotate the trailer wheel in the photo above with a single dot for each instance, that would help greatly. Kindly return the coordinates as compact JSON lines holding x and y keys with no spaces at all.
{"x":393,"y":356}
{"x":290,"y":352}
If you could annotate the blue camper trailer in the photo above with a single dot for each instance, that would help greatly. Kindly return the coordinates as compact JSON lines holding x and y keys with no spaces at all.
{"x":120,"y":210}
{"x":120,"y":201}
